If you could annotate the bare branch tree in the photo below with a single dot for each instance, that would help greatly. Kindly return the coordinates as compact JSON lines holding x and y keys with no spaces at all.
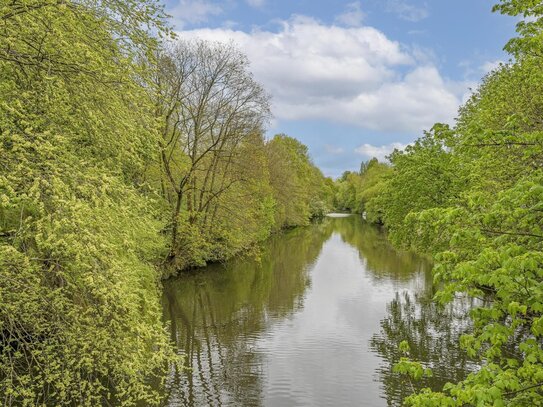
{"x":209,"y":105}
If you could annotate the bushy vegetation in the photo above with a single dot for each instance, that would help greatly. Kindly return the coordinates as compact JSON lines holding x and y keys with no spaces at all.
{"x":472,"y":196}
{"x":120,"y":152}
{"x":79,"y":317}
{"x":124,"y":153}
{"x":300,"y":190}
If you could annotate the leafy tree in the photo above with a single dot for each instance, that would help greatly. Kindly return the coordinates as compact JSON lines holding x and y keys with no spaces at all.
{"x":300,"y":191}
{"x":357,"y":192}
{"x":79,"y":311}
{"x":423,"y":176}
{"x":374,"y":181}
{"x":346,"y":192}
{"x":530,"y":27}
{"x":212,"y":169}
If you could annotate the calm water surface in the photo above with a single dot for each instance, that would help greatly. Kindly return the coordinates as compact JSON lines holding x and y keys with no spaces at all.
{"x":315,"y":322}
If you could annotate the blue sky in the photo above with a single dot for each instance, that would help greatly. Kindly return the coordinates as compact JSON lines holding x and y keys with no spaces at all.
{"x":355,"y":79}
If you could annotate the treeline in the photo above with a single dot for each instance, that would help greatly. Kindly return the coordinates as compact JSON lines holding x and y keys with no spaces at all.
{"x":472,"y":196}
{"x":225,"y":186}
{"x":358,"y":192}
{"x":122,"y":153}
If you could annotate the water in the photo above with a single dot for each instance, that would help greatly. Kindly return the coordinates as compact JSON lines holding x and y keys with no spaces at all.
{"x":315,"y":322}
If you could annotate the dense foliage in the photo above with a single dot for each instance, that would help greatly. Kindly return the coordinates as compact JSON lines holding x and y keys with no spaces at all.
{"x":359,"y":192}
{"x":300,"y":190}
{"x":79,"y":316}
{"x":472,"y":196}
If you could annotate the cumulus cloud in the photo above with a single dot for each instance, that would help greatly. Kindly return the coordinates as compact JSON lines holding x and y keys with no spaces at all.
{"x":353,"y":15}
{"x":193,"y":12}
{"x":380,"y":152}
{"x":407,"y":11}
{"x":352,"y":75}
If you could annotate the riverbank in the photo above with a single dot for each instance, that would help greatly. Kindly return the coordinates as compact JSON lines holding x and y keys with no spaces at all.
{"x":254,"y":249}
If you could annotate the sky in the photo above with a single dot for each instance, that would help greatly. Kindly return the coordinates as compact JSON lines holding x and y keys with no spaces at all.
{"x":355,"y":79}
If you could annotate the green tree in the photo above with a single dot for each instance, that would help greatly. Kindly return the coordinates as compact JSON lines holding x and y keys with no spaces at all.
{"x":359,"y":192}
{"x":212,"y":170}
{"x":423,"y":176}
{"x":472,"y":196}
{"x":300,"y":191}
{"x":79,"y":302}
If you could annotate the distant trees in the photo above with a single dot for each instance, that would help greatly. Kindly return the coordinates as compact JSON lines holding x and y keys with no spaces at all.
{"x":357,"y":191}
{"x":300,"y":190}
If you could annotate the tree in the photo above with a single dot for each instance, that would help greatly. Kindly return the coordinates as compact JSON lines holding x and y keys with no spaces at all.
{"x":471,"y":196}
{"x":356,"y":192}
{"x":299,"y":188}
{"x":212,"y":113}
{"x":374,"y":181}
{"x":424,"y":175}
{"x":79,"y":310}
{"x":529,"y":28}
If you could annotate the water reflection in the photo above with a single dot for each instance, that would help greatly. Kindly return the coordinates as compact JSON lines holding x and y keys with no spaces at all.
{"x":217,"y":314}
{"x":433,"y":334}
{"x":315,"y":323}
{"x":379,"y":257}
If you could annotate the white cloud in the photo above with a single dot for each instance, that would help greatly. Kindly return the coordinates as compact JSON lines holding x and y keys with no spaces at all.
{"x":352,"y":75}
{"x":193,"y":12}
{"x":379,"y":152}
{"x":353,"y":15}
{"x":407,"y":11}
{"x":229,"y":24}
{"x":256,"y":3}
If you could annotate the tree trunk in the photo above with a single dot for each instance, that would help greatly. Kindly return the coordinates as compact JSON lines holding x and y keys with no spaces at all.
{"x":175,"y":220}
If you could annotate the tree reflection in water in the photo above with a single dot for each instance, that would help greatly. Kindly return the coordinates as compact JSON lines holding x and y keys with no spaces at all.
{"x":432,"y":332}
{"x":217,"y":315}
{"x":221,"y":316}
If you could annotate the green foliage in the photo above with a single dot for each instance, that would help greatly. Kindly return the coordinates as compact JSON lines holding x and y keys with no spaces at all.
{"x":79,"y":311}
{"x":80,"y":316}
{"x":300,"y":190}
{"x":346,"y":192}
{"x":530,"y":28}
{"x":359,"y":192}
{"x":226,"y":188}
{"x":425,"y":175}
